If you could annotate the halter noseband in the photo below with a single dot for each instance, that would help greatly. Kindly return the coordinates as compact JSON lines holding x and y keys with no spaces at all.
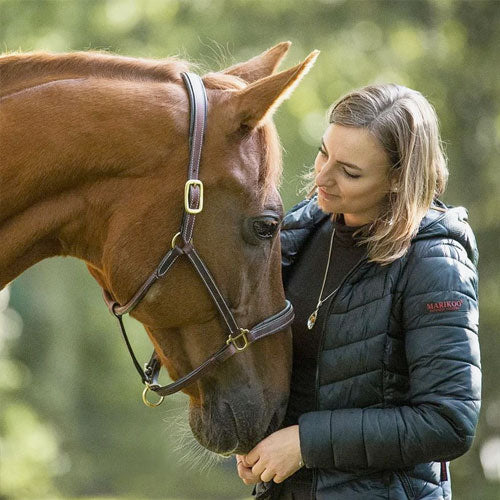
{"x":239,"y":338}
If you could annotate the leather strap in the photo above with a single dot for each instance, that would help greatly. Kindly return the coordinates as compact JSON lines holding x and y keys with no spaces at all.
{"x":198,"y":118}
{"x":268,"y":327}
{"x":164,"y":265}
{"x":197,"y":125}
{"x":213,"y":290}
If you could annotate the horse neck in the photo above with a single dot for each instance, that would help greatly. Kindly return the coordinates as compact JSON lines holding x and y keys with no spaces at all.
{"x":73,"y":152}
{"x":19,"y":71}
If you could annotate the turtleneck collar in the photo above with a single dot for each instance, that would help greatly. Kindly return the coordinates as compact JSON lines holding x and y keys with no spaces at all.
{"x":344,"y":235}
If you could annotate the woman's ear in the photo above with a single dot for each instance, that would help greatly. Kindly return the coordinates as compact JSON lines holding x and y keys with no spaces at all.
{"x":394,"y":178}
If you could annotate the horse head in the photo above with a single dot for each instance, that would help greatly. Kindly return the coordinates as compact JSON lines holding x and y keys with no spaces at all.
{"x":111,"y":192}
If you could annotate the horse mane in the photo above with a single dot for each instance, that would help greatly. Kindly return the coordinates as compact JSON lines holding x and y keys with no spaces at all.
{"x":21,"y":70}
{"x":28,"y":66}
{"x":32,"y":68}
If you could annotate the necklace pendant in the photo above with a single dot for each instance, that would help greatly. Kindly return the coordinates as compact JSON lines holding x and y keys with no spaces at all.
{"x":312,"y":320}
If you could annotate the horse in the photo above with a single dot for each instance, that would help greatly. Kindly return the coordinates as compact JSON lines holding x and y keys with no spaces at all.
{"x":94,"y":149}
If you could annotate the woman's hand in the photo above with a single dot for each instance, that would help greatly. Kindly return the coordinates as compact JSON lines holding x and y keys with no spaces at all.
{"x":275,"y":458}
{"x":245,"y":471}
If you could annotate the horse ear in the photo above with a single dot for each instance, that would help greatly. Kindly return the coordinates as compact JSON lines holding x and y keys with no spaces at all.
{"x":257,"y":102}
{"x":260,"y":66}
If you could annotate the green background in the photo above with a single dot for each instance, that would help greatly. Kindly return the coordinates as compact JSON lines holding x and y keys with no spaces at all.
{"x":71,"y":420}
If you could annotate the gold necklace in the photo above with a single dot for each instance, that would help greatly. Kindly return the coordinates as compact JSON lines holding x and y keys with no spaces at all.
{"x":312,"y":318}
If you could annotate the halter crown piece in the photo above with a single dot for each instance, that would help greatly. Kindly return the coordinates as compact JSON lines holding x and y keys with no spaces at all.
{"x":239,"y":338}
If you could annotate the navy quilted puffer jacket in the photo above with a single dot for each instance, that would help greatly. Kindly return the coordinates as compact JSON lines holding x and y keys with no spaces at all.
{"x":398,"y":381}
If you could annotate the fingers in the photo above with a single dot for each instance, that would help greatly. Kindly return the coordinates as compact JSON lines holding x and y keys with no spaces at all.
{"x":243,"y":460}
{"x":252,"y":457}
{"x":267,"y":475}
{"x":264,"y":472}
{"x":246,"y":474}
{"x":259,"y":472}
{"x":258,"y":469}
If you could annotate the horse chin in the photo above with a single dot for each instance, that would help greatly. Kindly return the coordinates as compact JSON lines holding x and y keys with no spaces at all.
{"x":225,"y":431}
{"x":214,"y":431}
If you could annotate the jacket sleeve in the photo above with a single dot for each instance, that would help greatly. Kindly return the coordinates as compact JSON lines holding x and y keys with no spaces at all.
{"x":440,"y":324}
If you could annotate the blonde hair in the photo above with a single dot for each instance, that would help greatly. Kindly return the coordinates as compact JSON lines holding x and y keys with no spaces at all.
{"x":406,"y":125}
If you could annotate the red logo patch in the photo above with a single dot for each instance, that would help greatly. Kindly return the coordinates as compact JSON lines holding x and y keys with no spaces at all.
{"x":446,"y":305}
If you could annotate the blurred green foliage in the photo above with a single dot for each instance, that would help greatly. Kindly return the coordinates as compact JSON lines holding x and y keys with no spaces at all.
{"x":71,"y":420}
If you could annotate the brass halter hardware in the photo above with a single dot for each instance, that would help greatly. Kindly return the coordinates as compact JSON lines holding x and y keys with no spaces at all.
{"x":174,"y":239}
{"x":187,"y":203}
{"x":146,"y":401}
{"x":234,"y":340}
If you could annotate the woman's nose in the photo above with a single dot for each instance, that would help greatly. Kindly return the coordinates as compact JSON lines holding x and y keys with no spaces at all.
{"x":322,"y":176}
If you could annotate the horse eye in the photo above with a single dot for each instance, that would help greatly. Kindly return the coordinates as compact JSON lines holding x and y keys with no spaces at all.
{"x":260,"y":229}
{"x":265,"y":228}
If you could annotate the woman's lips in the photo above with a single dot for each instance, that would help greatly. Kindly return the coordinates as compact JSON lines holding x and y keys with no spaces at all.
{"x":325,"y":194}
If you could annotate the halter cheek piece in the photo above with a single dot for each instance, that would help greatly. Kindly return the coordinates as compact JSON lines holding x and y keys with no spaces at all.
{"x":239,"y":338}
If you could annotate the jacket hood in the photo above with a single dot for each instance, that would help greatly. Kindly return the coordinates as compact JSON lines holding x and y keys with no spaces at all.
{"x":440,"y":221}
{"x":446,"y":221}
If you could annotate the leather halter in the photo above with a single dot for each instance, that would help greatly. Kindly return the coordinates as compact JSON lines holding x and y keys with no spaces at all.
{"x":239,"y":338}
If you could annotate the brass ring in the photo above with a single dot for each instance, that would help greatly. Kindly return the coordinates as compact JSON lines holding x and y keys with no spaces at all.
{"x":176,"y":235}
{"x":146,"y":400}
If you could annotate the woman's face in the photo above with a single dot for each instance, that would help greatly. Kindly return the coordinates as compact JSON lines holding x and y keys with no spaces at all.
{"x":351,"y":174}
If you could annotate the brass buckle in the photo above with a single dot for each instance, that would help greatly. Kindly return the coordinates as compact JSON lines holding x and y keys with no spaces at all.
{"x":187,"y":207}
{"x":147,"y":402}
{"x":233,"y":340}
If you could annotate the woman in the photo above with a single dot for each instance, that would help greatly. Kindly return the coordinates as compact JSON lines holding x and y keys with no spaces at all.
{"x":386,"y":377}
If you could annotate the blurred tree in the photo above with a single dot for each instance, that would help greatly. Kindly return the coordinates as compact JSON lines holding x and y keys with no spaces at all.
{"x":30,"y":457}
{"x":85,"y":386}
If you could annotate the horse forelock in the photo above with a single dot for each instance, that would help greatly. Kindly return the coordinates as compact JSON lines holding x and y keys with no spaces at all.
{"x":271,"y":169}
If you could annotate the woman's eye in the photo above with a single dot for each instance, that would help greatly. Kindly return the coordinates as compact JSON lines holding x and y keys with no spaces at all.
{"x":322,"y":151}
{"x":265,"y":228}
{"x":351,"y":175}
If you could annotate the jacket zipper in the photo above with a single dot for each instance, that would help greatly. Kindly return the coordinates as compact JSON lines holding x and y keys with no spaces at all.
{"x":320,"y":349}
